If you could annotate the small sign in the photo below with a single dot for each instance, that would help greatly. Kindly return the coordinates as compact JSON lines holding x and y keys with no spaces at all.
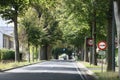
{"x":102,"y":45}
{"x":101,"y":53}
{"x":90,"y":42}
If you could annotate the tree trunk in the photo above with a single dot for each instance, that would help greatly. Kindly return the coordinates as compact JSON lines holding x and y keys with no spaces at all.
{"x":82,"y":54}
{"x":33,"y":54}
{"x":113,"y":43}
{"x":56,"y":56}
{"x":28,"y":52}
{"x":118,"y":1}
{"x":86,"y":51}
{"x":90,"y":48}
{"x":94,"y":34}
{"x":0,"y":55}
{"x":16,"y":41}
{"x":43,"y":53}
{"x":39,"y":50}
{"x":118,"y":25}
{"x":94,"y":42}
{"x":109,"y":37}
{"x":49,"y":52}
{"x":117,"y":19}
{"x":46,"y":51}
{"x":36,"y":52}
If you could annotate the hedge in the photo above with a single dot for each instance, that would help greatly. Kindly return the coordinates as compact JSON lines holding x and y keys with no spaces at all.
{"x":6,"y":54}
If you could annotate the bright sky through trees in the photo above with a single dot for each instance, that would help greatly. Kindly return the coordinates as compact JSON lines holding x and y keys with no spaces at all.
{"x":4,"y":23}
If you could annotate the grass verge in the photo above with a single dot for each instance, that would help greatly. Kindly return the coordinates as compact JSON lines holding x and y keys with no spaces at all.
{"x":88,"y":65}
{"x":107,"y":76}
{"x":102,"y":75}
{"x":4,"y":66}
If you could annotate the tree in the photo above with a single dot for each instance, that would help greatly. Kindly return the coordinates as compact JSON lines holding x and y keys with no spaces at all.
{"x":117,"y":22}
{"x":31,"y":30}
{"x":48,"y":22}
{"x":109,"y":34}
{"x":10,"y":10}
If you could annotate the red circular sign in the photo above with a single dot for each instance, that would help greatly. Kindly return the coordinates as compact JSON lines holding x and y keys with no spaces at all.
{"x":102,"y":45}
{"x":90,"y":42}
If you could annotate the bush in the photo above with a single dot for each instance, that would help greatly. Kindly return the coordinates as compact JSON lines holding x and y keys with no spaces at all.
{"x":7,"y":54}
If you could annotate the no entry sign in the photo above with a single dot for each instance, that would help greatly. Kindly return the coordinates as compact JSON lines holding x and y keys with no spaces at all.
{"x":102,"y":45}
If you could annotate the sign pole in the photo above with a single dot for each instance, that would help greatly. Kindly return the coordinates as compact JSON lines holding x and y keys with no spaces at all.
{"x":102,"y":53}
{"x":102,"y":45}
{"x":102,"y":64}
{"x":90,"y":44}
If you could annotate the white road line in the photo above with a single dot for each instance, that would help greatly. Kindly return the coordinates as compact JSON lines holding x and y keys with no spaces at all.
{"x":79,"y":71}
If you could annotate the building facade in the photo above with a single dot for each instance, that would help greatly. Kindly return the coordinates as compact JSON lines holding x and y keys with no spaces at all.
{"x":6,"y":37}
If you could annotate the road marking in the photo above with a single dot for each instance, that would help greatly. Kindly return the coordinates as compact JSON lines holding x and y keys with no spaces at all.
{"x":78,"y":71}
{"x":42,"y":71}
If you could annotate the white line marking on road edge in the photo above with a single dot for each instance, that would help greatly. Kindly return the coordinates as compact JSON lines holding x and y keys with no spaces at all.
{"x":78,"y":71}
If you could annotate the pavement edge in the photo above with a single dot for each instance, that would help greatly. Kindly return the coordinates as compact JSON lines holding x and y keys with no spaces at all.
{"x":89,"y":72}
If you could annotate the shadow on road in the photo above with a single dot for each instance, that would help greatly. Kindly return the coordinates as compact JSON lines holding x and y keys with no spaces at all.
{"x":51,"y":70}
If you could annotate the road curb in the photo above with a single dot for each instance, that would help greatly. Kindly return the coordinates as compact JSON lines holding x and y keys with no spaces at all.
{"x":89,"y":72}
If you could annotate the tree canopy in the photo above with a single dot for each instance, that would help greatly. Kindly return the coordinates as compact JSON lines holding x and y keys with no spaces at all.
{"x":61,"y":23}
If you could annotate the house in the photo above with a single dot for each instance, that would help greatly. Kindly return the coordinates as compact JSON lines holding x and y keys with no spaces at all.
{"x":6,"y":37}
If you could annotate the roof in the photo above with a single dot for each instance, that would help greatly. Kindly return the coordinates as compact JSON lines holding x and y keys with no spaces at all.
{"x":7,"y":30}
{"x":4,"y":22}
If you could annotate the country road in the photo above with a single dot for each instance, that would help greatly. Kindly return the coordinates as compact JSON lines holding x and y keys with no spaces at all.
{"x":49,"y":70}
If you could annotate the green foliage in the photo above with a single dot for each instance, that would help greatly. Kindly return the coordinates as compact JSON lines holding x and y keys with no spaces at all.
{"x":9,"y":9}
{"x":40,"y":31}
{"x":104,"y":75}
{"x":7,"y":54}
{"x":58,"y":22}
{"x":29,"y":31}
{"x":108,"y":76}
{"x":53,"y":33}
{"x":15,"y":64}
{"x":58,"y":51}
{"x":83,"y":11}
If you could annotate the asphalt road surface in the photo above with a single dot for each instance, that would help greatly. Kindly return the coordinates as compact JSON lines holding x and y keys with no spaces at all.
{"x":49,"y":70}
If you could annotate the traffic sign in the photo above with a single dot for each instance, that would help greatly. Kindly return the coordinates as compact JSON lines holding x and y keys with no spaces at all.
{"x":101,"y":52}
{"x":102,"y":45}
{"x":90,"y":42}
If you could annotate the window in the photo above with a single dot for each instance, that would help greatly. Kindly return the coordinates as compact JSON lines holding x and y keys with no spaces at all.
{"x":10,"y":44}
{"x":5,"y":41}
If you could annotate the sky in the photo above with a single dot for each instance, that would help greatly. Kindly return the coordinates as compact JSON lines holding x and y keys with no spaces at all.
{"x":4,"y":23}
